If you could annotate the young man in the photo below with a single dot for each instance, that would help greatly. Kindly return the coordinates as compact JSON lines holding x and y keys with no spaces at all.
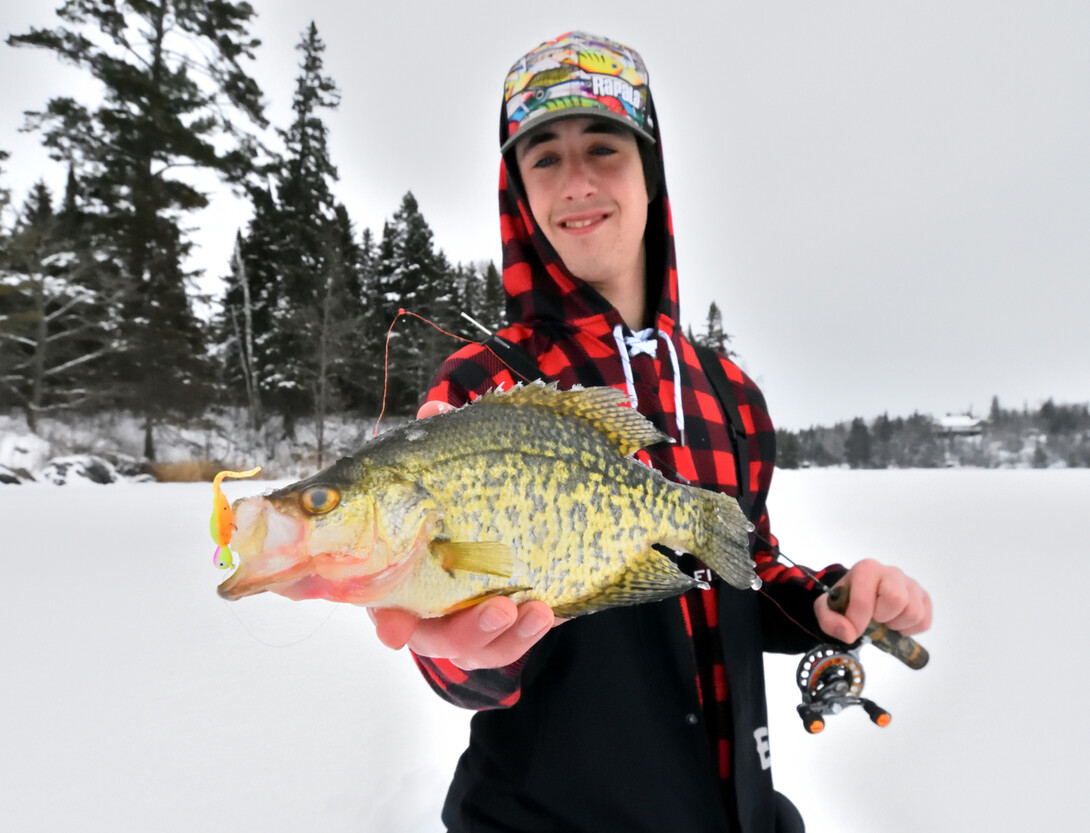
{"x":645,"y":718}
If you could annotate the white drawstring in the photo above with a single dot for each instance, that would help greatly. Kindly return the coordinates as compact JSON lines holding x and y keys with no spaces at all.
{"x":642,"y":342}
{"x":646,"y":342}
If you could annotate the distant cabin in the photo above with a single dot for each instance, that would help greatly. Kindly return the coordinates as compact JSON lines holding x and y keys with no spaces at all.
{"x":959,"y":425}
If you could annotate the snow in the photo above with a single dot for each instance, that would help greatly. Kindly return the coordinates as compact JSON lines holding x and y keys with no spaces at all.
{"x":136,"y":699}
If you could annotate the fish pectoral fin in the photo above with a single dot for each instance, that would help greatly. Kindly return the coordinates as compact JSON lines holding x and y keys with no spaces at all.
{"x":492,"y":557}
{"x":484,"y":597}
{"x":651,"y":577}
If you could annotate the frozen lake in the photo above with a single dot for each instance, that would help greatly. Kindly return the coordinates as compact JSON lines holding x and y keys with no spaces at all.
{"x":136,"y":699}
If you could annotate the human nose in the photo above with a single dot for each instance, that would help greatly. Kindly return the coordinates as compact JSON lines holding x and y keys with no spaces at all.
{"x":579,"y":181}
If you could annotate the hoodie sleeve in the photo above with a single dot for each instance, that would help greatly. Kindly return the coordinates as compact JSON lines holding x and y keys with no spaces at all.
{"x":464,"y":376}
{"x":787,"y":599}
{"x":787,"y":596}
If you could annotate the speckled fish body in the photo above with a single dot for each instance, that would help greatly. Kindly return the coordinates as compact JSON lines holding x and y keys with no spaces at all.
{"x":532,"y":493}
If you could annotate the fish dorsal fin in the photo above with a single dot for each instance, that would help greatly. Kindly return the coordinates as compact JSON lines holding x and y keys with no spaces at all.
{"x":601,"y":408}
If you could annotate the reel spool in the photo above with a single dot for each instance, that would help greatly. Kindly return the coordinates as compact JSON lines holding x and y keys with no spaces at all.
{"x":830,"y":680}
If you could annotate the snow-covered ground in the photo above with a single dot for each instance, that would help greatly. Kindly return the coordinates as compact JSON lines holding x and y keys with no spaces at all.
{"x":135,"y":699}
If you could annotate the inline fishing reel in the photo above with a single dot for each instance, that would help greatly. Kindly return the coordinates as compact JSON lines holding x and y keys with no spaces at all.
{"x":831,"y":679}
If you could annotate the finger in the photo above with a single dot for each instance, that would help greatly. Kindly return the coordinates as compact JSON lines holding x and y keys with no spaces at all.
{"x":863,"y":579}
{"x":834,"y":624}
{"x":393,"y":627}
{"x":916,"y":617}
{"x":466,"y":632}
{"x":892,"y":596}
{"x":533,"y":622}
{"x":433,"y":407}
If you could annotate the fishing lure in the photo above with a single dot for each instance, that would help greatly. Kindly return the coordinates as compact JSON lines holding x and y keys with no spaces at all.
{"x":222,"y":524}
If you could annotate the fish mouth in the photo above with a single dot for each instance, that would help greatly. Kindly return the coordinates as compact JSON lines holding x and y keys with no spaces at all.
{"x":267,"y":543}
{"x":305,"y":581}
{"x":274,"y":557}
{"x":247,"y":583}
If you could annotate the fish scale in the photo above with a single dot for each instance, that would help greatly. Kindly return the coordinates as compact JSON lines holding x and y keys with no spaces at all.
{"x":531,"y":493}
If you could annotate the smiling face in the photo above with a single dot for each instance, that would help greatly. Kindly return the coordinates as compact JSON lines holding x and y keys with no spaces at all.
{"x":585,"y":184}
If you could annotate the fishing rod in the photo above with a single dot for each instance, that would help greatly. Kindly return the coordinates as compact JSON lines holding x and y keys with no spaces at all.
{"x":830,"y":677}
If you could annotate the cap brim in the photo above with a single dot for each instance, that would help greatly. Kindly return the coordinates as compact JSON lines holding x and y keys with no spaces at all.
{"x":574,"y":113}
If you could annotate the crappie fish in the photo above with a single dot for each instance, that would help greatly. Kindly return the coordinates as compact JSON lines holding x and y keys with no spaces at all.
{"x":531,"y":493}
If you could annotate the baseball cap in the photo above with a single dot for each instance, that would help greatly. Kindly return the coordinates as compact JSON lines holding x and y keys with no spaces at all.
{"x":577,"y":74}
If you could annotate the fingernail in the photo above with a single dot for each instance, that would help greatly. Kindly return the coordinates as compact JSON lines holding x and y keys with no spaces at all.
{"x":532,"y":625}
{"x":493,"y":620}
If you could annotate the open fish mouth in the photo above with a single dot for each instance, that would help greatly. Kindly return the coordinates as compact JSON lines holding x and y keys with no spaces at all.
{"x":305,"y":580}
{"x":268,"y":544}
{"x":249,"y":583}
{"x":273,"y":552}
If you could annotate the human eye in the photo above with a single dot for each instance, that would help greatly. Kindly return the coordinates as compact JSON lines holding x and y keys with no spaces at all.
{"x":545,"y":160}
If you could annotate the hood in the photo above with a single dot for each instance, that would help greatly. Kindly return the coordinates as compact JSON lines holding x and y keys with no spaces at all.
{"x":539,"y":288}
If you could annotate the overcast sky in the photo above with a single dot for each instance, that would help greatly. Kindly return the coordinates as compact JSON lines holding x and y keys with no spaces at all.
{"x":889,"y":201}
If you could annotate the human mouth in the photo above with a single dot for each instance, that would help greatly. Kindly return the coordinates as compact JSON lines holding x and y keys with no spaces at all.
{"x":583,"y":223}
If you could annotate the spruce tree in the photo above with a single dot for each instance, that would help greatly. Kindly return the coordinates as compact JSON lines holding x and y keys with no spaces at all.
{"x":857,"y":448}
{"x":494,"y":303}
{"x":55,"y":317}
{"x":173,"y":87}
{"x":413,"y":276}
{"x":714,"y":336}
{"x":301,"y":261}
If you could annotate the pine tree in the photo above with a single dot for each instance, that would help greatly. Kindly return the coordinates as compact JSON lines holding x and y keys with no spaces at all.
{"x":788,"y":449}
{"x":55,"y":320}
{"x":714,"y":336}
{"x":882,"y":436}
{"x":494,"y":302}
{"x":173,"y":86}
{"x":364,"y":346}
{"x":857,"y":446}
{"x":308,"y":278}
{"x":5,"y":193}
{"x":239,"y":335}
{"x":413,"y":276}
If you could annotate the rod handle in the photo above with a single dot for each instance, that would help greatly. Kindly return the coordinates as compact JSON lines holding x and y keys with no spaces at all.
{"x":904,"y":648}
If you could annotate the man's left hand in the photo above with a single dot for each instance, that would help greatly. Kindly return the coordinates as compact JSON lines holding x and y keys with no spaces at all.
{"x":879,"y":593}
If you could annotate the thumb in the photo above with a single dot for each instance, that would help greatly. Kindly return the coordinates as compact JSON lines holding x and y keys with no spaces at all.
{"x":433,"y":407}
{"x":394,"y":628}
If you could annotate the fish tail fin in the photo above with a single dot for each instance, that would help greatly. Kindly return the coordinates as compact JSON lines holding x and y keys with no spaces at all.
{"x":722,"y":540}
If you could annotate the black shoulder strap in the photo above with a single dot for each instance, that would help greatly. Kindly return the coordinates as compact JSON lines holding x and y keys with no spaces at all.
{"x":736,"y":429}
{"x":517,"y":360}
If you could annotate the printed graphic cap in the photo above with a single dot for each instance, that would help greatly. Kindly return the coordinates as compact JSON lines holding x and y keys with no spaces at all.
{"x":577,"y":74}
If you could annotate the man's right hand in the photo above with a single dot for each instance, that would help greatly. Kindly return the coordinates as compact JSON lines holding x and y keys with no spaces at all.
{"x":491,"y":634}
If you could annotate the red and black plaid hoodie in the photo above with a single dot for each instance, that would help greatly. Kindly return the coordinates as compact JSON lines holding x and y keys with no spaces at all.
{"x":644,"y":718}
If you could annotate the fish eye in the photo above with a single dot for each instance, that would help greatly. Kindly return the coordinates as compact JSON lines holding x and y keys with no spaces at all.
{"x":319,"y":500}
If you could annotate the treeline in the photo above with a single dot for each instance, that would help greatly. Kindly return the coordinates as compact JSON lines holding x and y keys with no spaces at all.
{"x":97,"y":309}
{"x":1050,"y":435}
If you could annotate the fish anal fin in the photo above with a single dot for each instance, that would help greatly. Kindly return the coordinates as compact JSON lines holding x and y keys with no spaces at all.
{"x":600,"y":407}
{"x":493,"y":558}
{"x":651,"y":578}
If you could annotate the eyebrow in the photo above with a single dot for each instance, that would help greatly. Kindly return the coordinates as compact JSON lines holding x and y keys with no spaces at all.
{"x":595,"y":126}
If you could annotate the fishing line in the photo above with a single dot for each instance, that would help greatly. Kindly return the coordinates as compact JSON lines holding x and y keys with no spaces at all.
{"x":386,"y":361}
{"x":256,"y":638}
